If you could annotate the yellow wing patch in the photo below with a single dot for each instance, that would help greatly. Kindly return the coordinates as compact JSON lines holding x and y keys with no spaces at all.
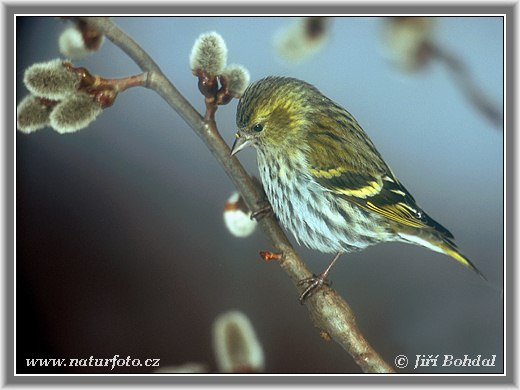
{"x":370,"y":188}
{"x":398,"y":212}
{"x":373,"y":188}
{"x":327,"y":173}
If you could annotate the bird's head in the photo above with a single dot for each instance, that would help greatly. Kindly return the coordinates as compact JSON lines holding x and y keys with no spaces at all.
{"x":273,"y":114}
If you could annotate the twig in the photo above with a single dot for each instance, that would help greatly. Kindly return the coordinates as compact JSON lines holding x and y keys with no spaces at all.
{"x":328,"y":311}
{"x":468,"y":86}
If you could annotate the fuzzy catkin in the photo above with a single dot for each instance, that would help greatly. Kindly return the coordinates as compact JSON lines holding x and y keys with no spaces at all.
{"x":236,"y":345}
{"x":31,"y":115}
{"x":209,"y":54}
{"x":237,"y":78}
{"x":74,"y":114}
{"x":51,"y":80}
{"x":72,"y":45}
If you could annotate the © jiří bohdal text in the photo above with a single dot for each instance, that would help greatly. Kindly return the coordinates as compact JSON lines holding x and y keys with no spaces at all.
{"x":448,"y":360}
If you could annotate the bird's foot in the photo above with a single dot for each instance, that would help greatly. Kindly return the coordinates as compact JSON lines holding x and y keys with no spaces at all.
{"x":264,"y":211}
{"x":313,"y":284}
{"x":316,"y":282}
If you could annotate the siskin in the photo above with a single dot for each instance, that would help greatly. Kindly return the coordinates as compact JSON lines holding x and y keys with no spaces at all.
{"x":324,"y":178}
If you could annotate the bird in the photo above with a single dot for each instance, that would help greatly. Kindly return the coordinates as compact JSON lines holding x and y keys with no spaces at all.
{"x":325,"y":180}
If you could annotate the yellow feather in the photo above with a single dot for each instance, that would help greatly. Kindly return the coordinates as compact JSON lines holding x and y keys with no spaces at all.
{"x":327,"y":173}
{"x":406,"y":219}
{"x":457,"y":256}
{"x":372,"y":189}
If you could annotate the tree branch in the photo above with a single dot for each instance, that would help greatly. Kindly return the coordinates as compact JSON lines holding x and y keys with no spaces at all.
{"x":474,"y":94}
{"x":328,"y":310}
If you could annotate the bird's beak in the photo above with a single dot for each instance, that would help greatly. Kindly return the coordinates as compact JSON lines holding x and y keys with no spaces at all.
{"x":239,"y":144}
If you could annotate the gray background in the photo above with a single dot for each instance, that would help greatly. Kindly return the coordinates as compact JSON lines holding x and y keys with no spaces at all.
{"x":121,"y":247}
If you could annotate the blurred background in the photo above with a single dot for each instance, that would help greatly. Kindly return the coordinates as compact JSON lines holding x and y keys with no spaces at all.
{"x":120,"y":242}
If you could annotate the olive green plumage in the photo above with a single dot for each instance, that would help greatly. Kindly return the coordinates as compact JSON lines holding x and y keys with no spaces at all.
{"x":324,"y":178}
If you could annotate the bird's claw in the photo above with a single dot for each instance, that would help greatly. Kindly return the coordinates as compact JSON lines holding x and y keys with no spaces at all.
{"x":313,"y":284}
{"x":262,"y":212}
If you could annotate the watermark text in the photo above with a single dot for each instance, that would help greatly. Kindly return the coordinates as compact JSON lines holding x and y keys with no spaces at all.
{"x":111,"y":363}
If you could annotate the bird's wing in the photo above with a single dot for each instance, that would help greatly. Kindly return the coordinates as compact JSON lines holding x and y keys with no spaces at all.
{"x":358,"y":173}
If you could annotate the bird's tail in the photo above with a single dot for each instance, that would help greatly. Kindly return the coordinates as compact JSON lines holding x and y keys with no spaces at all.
{"x":439,"y":242}
{"x":451,"y":249}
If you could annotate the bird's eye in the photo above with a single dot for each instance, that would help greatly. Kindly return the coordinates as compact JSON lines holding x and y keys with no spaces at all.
{"x":258,"y":128}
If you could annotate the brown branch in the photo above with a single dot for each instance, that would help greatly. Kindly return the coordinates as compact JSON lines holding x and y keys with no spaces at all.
{"x":104,"y":90}
{"x":329,"y":312}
